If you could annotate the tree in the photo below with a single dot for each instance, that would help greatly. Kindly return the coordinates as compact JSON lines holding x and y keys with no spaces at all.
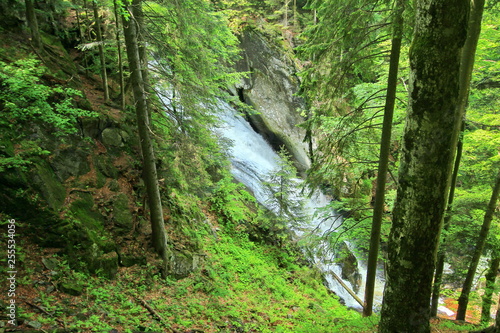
{"x":119,"y":50}
{"x":385,"y":145}
{"x":463,"y":300}
{"x":429,"y":144}
{"x":438,"y":275}
{"x":101,"y":50}
{"x":33,"y":24}
{"x":149,"y":172}
{"x":491,"y":276}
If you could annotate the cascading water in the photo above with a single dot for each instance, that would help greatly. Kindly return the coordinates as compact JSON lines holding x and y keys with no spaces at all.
{"x":252,"y":160}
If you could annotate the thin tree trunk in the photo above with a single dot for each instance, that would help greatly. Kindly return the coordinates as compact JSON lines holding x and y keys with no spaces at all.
{"x":497,"y":320}
{"x":428,"y":149}
{"x":101,"y":50}
{"x":463,"y":300}
{"x":295,"y":16}
{"x":438,"y":275}
{"x":149,"y":167}
{"x":491,"y":276}
{"x":82,"y":38}
{"x":143,"y":55}
{"x":120,"y":61}
{"x":33,"y":24}
{"x":383,"y":165}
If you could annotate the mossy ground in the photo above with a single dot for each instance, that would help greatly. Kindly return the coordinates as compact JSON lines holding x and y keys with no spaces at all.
{"x":241,"y":286}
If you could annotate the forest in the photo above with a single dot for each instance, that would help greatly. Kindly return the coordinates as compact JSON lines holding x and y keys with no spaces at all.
{"x":250,"y":166}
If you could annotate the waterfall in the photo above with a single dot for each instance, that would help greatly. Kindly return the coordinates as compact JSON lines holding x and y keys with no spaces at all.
{"x":252,"y":160}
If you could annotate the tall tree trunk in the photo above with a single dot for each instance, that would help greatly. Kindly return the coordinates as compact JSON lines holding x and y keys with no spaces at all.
{"x":149,"y":167}
{"x":383,"y":164}
{"x":438,"y":275}
{"x":466,"y":66}
{"x":429,"y":144}
{"x":463,"y":300}
{"x":491,"y":276}
{"x":33,"y":24}
{"x":101,"y":50}
{"x":82,"y":38}
{"x":143,"y":55}
{"x":120,"y":61}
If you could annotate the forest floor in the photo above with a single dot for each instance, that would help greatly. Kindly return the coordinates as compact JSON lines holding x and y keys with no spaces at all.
{"x":51,"y":297}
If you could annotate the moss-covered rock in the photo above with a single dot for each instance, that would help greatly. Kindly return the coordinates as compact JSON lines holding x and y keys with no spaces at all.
{"x":123,"y":219}
{"x":71,"y":288}
{"x":70,"y":161}
{"x":48,"y":184}
{"x":183,"y":263}
{"x":131,"y":260}
{"x":103,"y":264}
{"x":104,"y":164}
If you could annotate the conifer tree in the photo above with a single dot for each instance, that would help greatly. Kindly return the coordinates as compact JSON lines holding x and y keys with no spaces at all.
{"x":149,"y":172}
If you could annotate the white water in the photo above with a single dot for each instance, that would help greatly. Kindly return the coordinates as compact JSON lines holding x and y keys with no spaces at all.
{"x":252,"y":160}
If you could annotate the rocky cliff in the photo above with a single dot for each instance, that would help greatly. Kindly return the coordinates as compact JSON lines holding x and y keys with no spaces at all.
{"x":272,"y":88}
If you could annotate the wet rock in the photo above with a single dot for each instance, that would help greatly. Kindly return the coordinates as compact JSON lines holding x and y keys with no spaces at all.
{"x":272,"y":90}
{"x":349,"y":264}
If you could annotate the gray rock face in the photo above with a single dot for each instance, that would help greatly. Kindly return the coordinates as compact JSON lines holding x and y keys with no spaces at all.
{"x":271,"y":89}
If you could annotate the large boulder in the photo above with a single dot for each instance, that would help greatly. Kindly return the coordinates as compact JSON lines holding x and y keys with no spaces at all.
{"x":272,"y":89}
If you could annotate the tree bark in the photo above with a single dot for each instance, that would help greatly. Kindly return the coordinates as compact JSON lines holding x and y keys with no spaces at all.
{"x":383,"y":165}
{"x":466,"y":66}
{"x":33,"y":24}
{"x":101,"y":50}
{"x":463,"y":300}
{"x":143,"y":55}
{"x":149,"y":167}
{"x":429,"y":145}
{"x":120,"y":61}
{"x":491,"y":276}
{"x":497,"y":320}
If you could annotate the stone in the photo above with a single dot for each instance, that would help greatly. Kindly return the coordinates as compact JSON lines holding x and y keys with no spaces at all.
{"x":183,"y":263}
{"x":112,"y":137}
{"x":103,"y":264}
{"x":122,"y":216}
{"x":70,"y":162}
{"x":51,"y":264}
{"x":35,"y":324}
{"x":130,"y":260}
{"x":272,"y":90}
{"x":349,"y":263}
{"x":71,"y":288}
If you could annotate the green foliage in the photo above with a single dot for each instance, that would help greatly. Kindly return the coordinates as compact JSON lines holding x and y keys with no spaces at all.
{"x":26,"y":100}
{"x":230,"y":201}
{"x":25,"y":103}
{"x":282,"y":185}
{"x":194,"y":51}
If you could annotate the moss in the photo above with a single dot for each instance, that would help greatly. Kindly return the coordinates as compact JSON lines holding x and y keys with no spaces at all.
{"x":105,"y":166}
{"x":71,"y":288}
{"x":49,"y":186}
{"x":103,"y":264}
{"x":122,"y":216}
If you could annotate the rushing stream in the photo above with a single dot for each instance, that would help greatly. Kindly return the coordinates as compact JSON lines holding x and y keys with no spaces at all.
{"x":252,"y":160}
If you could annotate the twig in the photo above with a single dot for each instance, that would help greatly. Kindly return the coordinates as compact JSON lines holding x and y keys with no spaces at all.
{"x":151,"y":310}
{"x":47,"y":313}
